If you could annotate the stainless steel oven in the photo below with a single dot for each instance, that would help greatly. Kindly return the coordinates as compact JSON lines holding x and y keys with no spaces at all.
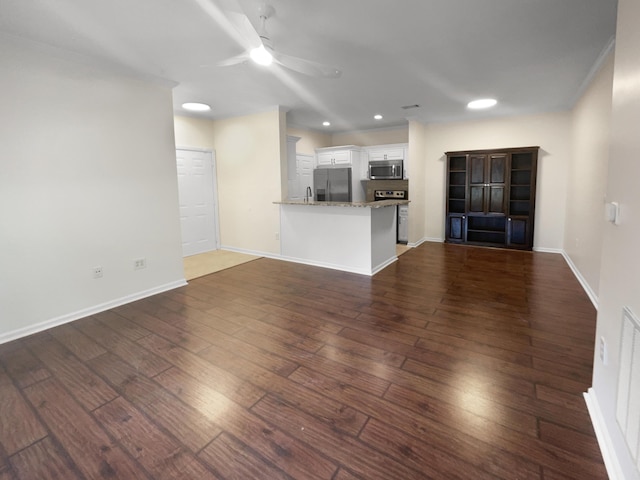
{"x":402,"y":231}
{"x":385,"y":170}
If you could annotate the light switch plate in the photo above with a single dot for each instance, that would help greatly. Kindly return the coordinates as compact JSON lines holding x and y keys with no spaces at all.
{"x":612,"y":212}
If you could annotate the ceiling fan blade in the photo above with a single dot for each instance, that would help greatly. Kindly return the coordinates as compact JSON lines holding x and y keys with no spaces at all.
{"x":306,"y":67}
{"x":243,"y":57}
{"x":242,"y":24}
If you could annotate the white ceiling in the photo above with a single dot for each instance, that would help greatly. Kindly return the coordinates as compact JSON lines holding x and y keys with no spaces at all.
{"x":532,"y":55}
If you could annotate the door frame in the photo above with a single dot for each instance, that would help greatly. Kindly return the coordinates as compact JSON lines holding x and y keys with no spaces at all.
{"x":214,"y":186}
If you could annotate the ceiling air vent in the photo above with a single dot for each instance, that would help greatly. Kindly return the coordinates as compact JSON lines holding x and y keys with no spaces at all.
{"x":409,"y":107}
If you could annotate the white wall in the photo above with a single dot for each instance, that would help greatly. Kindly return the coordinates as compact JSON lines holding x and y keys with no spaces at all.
{"x":374,"y":136}
{"x":87,"y":178}
{"x":620,"y":267}
{"x":587,"y":179}
{"x":312,"y":139}
{"x":552,"y":132}
{"x":417,"y":183}
{"x":249,"y":153}
{"x":309,"y":140}
{"x":194,"y":132}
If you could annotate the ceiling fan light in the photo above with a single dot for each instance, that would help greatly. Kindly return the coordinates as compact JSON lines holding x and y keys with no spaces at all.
{"x":196,"y":107}
{"x":482,"y":103}
{"x":377,"y":116}
{"x":326,"y":124}
{"x":261,"y":56}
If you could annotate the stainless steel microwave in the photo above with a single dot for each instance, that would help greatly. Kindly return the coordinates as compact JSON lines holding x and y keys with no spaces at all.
{"x":385,"y":170}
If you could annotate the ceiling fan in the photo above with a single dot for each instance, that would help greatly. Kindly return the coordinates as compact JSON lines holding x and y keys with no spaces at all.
{"x":262,"y":52}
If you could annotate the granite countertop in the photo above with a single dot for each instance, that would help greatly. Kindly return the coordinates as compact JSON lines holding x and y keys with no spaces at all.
{"x":378,"y":204}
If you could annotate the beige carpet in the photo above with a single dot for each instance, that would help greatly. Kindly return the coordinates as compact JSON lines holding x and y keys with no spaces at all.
{"x":205,"y":263}
{"x":400,"y":249}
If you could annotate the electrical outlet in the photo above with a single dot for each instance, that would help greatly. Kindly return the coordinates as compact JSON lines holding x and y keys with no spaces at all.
{"x":97,"y":272}
{"x":139,"y":263}
{"x":603,"y":351}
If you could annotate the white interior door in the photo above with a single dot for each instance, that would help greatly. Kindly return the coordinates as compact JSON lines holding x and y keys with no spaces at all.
{"x":197,"y":198}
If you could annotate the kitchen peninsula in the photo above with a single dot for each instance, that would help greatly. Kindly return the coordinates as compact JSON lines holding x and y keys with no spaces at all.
{"x":358,"y":237}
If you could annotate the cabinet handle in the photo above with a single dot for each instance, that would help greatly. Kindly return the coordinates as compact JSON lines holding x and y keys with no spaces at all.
{"x":509,"y":219}
{"x":463,"y":217}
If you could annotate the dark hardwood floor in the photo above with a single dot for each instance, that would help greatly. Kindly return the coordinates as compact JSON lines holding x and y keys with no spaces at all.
{"x":453,"y":363}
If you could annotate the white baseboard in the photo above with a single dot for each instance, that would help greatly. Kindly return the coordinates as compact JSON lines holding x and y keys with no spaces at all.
{"x":548,"y":250}
{"x":312,"y":263}
{"x":426,"y":239}
{"x":432,"y":239}
{"x":85,"y":312}
{"x":383,"y":265}
{"x":359,"y":271}
{"x":611,"y":462}
{"x":255,"y":253}
{"x":586,"y":287}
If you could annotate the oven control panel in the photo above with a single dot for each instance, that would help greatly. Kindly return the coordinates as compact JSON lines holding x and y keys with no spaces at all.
{"x":390,"y":194}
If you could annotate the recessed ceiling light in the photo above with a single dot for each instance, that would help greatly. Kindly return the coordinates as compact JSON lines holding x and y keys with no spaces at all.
{"x":196,"y":107}
{"x":482,"y":103}
{"x":261,"y":56}
{"x":326,"y":124}
{"x":378,"y":116}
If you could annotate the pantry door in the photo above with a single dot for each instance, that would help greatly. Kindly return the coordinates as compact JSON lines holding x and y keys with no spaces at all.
{"x":198,"y":201}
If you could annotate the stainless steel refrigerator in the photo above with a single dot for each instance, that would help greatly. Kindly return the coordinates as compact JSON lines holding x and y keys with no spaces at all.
{"x":332,"y":184}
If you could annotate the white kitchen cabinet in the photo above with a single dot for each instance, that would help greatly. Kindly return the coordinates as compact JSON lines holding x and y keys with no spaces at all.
{"x":342,"y":156}
{"x":346,"y":156}
{"x":395,"y":153}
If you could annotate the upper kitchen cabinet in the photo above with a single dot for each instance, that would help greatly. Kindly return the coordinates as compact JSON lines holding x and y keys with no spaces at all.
{"x":396,"y":151}
{"x":491,"y":197}
{"x":387,"y":152}
{"x":343,"y":156}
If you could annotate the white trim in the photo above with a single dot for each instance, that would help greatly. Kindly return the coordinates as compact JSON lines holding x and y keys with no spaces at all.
{"x":385,"y":146}
{"x":425,"y":239}
{"x":342,"y":268}
{"x":548,"y":250}
{"x":274,"y":256}
{"x":70,"y":317}
{"x":211,"y":115}
{"x":383,"y":265}
{"x":585,"y":285}
{"x":399,"y":126}
{"x":595,"y":68}
{"x":416,"y":244}
{"x":193,"y":149}
{"x":103,"y":64}
{"x":611,"y":462}
{"x":431,"y":239}
{"x":255,"y":253}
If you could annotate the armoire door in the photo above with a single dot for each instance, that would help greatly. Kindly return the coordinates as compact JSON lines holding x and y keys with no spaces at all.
{"x":487,"y":180}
